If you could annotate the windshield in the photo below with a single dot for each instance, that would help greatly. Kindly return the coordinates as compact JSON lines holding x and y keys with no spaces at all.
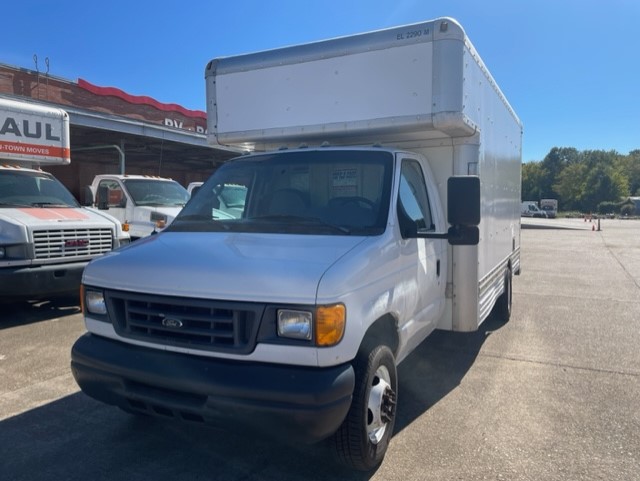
{"x":33,"y":189}
{"x":156,"y":192}
{"x":334,"y":192}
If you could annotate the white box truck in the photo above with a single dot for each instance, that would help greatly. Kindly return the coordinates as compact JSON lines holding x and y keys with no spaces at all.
{"x":46,"y":237}
{"x":144,"y":204}
{"x":549,"y":207}
{"x":382,"y":203}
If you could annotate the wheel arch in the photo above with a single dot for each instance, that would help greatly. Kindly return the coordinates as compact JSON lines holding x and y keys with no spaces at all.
{"x":384,"y":331}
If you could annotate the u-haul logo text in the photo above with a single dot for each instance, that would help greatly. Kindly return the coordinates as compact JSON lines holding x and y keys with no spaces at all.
{"x":27,"y":129}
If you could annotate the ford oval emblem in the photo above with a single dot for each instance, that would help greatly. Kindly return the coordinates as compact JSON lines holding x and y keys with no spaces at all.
{"x":172,"y":323}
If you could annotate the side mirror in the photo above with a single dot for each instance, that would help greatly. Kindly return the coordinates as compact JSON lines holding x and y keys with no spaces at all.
{"x":87,"y":196}
{"x":103,"y":198}
{"x":463,"y":212}
{"x":463,"y":209}
{"x":463,"y":200}
{"x":463,"y":235}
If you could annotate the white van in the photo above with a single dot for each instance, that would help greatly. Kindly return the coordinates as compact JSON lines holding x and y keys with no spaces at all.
{"x":530,"y":209}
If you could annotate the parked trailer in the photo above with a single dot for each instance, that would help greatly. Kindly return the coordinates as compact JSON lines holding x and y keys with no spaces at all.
{"x":381,"y":202}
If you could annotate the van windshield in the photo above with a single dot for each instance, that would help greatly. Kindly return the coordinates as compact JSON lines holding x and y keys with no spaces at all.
{"x":152,"y":192}
{"x":33,"y":189}
{"x":332,"y":192}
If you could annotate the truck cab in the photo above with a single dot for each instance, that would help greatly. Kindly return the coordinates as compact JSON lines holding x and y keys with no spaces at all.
{"x":145,"y":204}
{"x":46,"y":237}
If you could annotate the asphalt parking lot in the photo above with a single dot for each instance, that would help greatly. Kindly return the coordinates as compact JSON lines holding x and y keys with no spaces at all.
{"x":552,"y":395}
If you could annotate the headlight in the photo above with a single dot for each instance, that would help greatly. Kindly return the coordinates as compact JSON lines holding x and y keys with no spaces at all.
{"x":295,"y":324}
{"x":14,"y":252}
{"x":94,"y":302}
{"x":159,"y":219}
{"x":327,"y":323}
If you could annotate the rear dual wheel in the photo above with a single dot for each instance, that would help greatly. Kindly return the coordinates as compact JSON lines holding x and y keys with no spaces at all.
{"x":503,"y":304}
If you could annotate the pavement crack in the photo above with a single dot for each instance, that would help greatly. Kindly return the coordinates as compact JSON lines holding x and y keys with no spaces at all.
{"x":561,"y":365}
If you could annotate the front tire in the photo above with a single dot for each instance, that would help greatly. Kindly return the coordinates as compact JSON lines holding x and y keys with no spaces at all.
{"x":362,"y":440}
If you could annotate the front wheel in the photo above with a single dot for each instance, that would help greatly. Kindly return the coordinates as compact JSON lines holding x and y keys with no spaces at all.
{"x":362,"y":440}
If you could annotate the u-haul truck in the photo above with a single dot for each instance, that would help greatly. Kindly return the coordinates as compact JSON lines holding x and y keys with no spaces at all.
{"x":46,"y":237}
{"x":381,"y":203}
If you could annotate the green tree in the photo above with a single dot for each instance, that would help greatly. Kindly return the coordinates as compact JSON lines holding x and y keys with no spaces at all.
{"x":552,"y":165}
{"x":570,"y":186}
{"x":629,"y":167}
{"x":602,"y":183}
{"x":531,"y":181}
{"x":582,"y":180}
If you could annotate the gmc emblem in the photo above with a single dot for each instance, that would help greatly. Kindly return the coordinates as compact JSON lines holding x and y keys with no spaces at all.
{"x":75,"y":243}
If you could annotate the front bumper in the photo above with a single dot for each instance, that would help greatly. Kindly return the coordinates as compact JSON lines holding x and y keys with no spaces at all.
{"x":298,"y":403}
{"x":41,"y":281}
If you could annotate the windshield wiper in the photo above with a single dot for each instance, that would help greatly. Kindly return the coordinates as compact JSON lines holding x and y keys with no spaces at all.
{"x":193,"y":217}
{"x":196,"y":223}
{"x":14,"y":204}
{"x":49,"y":204}
{"x":302,"y":220}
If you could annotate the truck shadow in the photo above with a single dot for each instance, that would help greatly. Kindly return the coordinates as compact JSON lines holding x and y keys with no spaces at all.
{"x":21,"y":312}
{"x":436,"y":368}
{"x":77,"y":438}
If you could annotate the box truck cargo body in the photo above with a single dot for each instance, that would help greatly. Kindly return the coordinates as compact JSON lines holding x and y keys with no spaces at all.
{"x":46,"y":237}
{"x":380,"y":201}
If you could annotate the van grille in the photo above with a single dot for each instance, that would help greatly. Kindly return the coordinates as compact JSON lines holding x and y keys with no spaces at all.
{"x":185,"y":322}
{"x":70,"y":243}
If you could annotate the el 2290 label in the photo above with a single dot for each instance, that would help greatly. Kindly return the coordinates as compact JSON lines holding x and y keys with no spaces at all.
{"x":409,"y":34}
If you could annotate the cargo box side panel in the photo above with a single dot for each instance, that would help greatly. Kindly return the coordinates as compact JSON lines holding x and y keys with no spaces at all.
{"x":499,"y":168}
{"x":32,"y":133}
{"x":382,"y":90}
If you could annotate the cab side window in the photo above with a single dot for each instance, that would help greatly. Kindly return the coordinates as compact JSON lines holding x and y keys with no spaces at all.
{"x":414,"y":212}
{"x":110,"y":194}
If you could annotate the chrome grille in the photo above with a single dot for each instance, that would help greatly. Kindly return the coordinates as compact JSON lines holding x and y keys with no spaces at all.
{"x":193,"y":323}
{"x":66,"y":243}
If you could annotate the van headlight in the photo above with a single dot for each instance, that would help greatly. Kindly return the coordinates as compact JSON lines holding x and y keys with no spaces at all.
{"x":324,"y":324}
{"x":295,"y":324}
{"x":94,"y":302}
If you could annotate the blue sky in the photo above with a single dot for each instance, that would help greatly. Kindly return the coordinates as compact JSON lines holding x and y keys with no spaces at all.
{"x":570,"y":68}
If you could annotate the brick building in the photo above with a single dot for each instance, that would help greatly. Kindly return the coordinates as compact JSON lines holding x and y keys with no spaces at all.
{"x":112,"y":130}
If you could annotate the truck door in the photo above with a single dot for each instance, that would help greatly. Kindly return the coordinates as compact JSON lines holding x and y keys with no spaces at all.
{"x":424,"y":259}
{"x":111,"y":197}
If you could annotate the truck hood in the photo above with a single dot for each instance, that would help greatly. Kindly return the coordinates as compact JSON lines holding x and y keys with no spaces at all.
{"x":46,"y":216}
{"x":230,"y":266}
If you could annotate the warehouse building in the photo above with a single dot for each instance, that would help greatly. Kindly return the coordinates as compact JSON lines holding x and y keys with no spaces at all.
{"x":113,"y":131}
